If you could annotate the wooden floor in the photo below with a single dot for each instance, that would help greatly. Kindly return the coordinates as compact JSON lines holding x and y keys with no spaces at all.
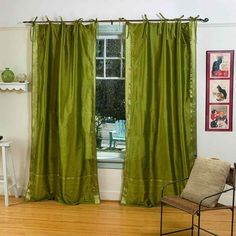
{"x":108,"y":218}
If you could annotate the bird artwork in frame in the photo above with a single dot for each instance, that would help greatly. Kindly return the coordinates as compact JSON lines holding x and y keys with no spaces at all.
{"x":219,"y":90}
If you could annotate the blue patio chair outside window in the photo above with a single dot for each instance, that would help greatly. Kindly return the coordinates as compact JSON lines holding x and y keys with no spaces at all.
{"x":118,"y":134}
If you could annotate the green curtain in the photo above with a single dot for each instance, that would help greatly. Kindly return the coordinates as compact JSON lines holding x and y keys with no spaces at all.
{"x":160,"y":105}
{"x":63,"y":155}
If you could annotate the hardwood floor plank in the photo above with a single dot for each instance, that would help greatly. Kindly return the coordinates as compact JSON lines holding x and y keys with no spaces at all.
{"x":49,"y":218}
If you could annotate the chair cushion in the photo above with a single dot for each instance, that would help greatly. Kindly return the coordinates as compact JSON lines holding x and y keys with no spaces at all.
{"x":208,"y":176}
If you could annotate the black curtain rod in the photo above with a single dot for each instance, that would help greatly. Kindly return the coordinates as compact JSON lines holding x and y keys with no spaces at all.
{"x":114,"y":21}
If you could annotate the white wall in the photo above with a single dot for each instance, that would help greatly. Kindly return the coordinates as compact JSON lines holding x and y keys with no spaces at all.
{"x":15,"y":105}
{"x":15,"y":53}
{"x":110,"y":183}
{"x":13,"y":12}
{"x":217,"y":144}
{"x":221,"y":144}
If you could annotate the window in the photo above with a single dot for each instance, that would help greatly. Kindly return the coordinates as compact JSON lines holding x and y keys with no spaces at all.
{"x":110,"y":96}
{"x":109,"y":57}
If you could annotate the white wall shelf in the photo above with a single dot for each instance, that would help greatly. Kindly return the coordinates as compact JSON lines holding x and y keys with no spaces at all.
{"x":14,"y":86}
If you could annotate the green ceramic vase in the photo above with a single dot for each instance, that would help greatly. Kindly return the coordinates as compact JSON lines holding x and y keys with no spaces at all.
{"x":7,"y":76}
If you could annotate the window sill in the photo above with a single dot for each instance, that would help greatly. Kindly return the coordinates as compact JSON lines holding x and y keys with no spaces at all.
{"x":110,"y":160}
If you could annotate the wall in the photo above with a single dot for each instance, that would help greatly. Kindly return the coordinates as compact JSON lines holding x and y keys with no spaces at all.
{"x":218,"y":144}
{"x":222,"y":144}
{"x":13,"y":12}
{"x":110,"y":183}
{"x":15,"y":105}
{"x":15,"y":53}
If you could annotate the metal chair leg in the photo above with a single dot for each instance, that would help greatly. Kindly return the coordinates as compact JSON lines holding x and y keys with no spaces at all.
{"x":232,"y":222}
{"x":161,"y":219}
{"x":199,"y":224}
{"x":110,"y":139}
{"x":192,"y":225}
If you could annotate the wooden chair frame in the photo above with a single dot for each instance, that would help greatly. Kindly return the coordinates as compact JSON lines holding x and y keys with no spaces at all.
{"x":196,"y":209}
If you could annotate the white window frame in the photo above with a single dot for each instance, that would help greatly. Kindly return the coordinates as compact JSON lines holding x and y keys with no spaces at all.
{"x":111,"y":160}
{"x":105,"y":37}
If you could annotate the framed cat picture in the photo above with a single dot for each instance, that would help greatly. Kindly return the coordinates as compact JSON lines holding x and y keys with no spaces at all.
{"x":219,"y":90}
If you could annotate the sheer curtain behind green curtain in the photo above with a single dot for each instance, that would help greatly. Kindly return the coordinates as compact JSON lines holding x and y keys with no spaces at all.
{"x":160,"y":99}
{"x":63,"y":156}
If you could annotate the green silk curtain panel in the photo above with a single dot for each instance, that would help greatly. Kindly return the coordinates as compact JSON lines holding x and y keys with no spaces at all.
{"x":160,"y":95}
{"x":63,"y":156}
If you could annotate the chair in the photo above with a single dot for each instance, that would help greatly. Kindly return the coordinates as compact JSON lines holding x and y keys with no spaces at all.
{"x":188,"y":201}
{"x":118,"y":134}
{"x":8,"y":171}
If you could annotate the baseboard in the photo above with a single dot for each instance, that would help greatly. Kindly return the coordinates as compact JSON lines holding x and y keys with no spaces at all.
{"x":20,"y":190}
{"x":105,"y":195}
{"x":116,"y":195}
{"x":110,"y":195}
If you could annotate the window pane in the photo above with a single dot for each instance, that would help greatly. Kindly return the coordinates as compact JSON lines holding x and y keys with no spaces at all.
{"x":99,"y":68}
{"x":113,"y":68}
{"x":110,"y":99}
{"x":100,"y":48}
{"x":110,"y":107}
{"x":110,"y":96}
{"x":113,"y":48}
{"x":123,"y":48}
{"x":123,"y":68}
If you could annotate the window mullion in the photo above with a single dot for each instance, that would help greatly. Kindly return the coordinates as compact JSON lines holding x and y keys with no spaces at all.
{"x":121,"y":59}
{"x":105,"y":56}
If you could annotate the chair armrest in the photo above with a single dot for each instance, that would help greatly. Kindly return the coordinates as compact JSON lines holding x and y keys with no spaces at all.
{"x":219,"y":193}
{"x":171,"y":183}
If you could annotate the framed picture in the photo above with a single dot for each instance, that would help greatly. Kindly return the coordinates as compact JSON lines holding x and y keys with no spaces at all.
{"x":219,"y":117}
{"x":219,"y":90}
{"x":219,"y":64}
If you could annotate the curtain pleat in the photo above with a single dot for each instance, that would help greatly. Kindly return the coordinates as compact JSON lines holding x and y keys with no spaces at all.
{"x":160,"y":108}
{"x":63,"y":155}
